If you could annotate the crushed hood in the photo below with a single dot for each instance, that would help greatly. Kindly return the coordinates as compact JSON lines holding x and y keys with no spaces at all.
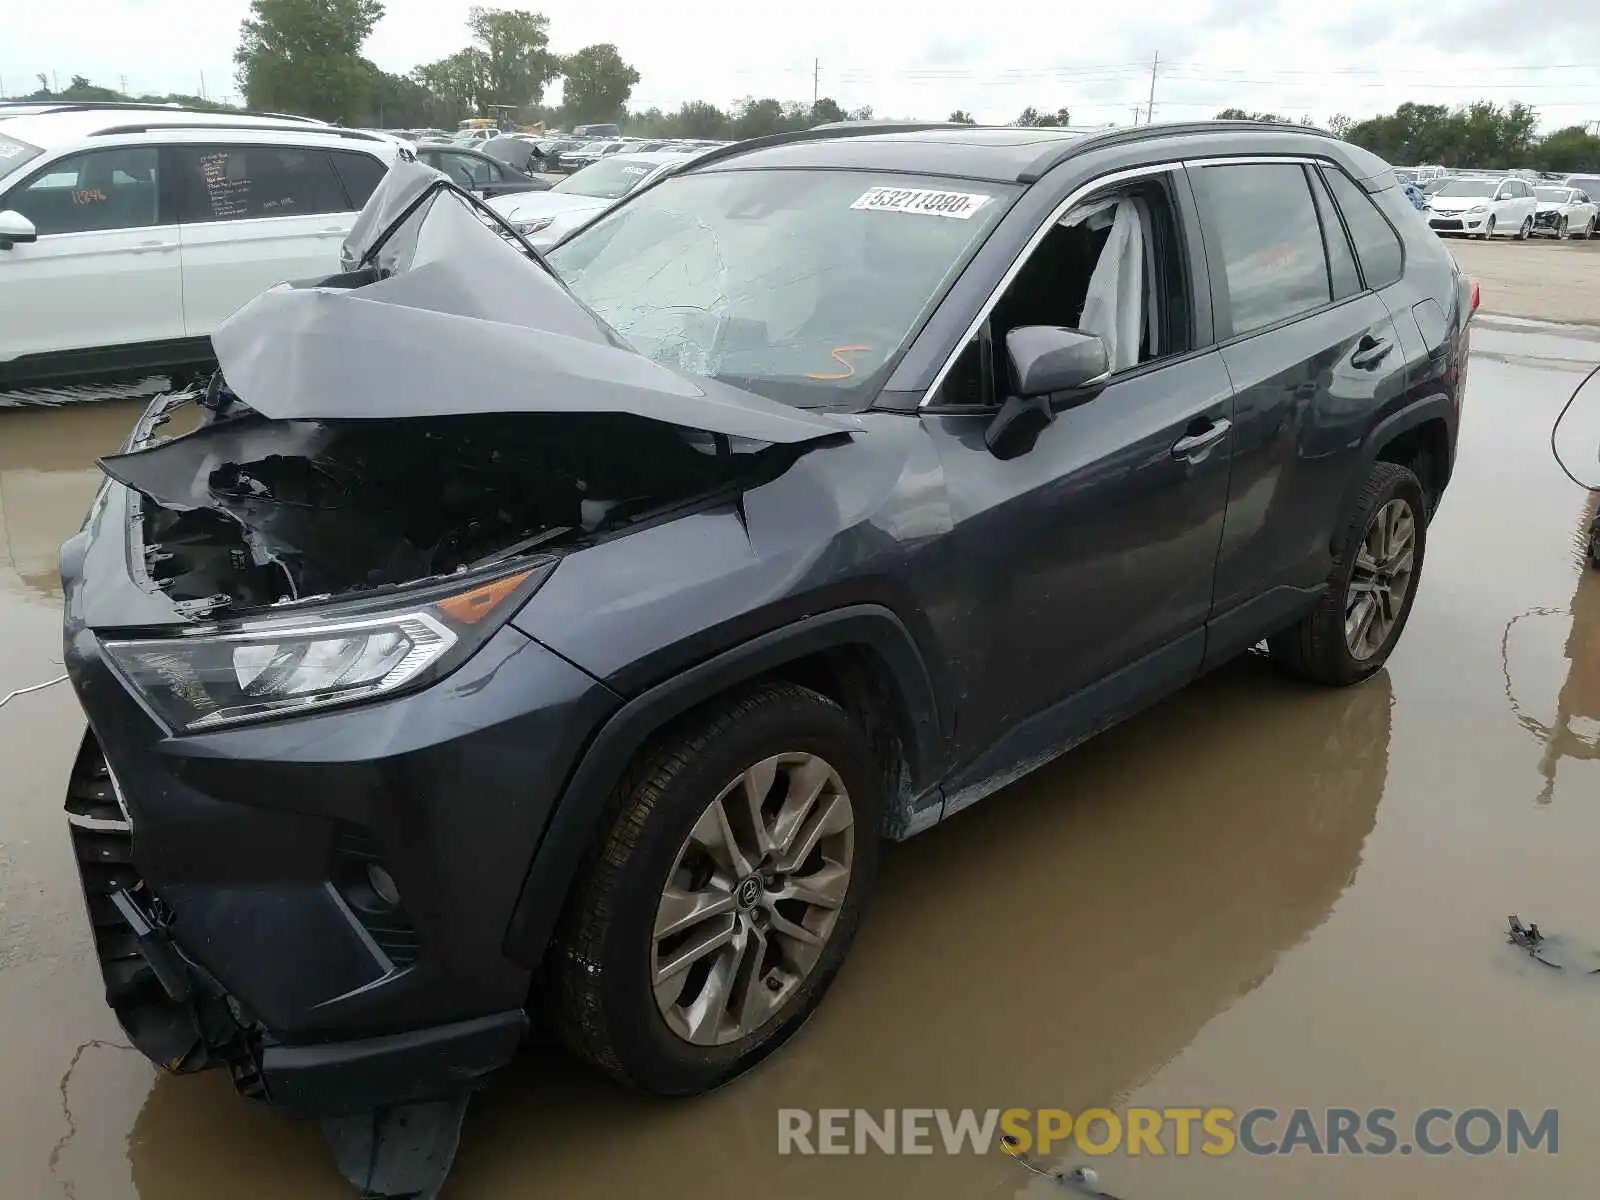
{"x":463,"y":322}
{"x":525,"y":206}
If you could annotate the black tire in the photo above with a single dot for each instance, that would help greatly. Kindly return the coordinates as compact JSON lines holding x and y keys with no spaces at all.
{"x":1588,"y":231}
{"x":1488,"y":229}
{"x":604,"y":1008}
{"x":1562,"y":231}
{"x":1315,"y":648}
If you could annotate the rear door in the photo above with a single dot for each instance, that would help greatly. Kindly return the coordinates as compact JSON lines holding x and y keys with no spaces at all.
{"x":253,"y":215}
{"x":105,"y":270}
{"x":1313,"y":354}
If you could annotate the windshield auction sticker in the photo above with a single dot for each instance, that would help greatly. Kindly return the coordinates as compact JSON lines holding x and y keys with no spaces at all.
{"x":960,"y":205}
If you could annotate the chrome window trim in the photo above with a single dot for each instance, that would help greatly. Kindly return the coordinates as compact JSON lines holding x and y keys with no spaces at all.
{"x":1077,"y":196}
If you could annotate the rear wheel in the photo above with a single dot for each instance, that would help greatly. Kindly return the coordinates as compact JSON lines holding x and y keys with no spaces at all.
{"x":1588,"y":230}
{"x":1355,"y":627}
{"x":723,"y":892}
{"x":1526,"y":231}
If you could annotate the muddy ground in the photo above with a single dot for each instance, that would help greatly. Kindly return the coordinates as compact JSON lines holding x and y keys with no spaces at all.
{"x":1257,"y":894}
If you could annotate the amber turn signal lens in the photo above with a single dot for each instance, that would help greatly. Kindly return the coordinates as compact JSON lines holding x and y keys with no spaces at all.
{"x":471,"y":607}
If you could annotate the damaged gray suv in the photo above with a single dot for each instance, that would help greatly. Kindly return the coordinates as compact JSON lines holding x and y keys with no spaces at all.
{"x":504,"y":639}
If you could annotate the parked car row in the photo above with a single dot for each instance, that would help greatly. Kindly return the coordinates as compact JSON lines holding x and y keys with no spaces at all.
{"x":1516,"y":204}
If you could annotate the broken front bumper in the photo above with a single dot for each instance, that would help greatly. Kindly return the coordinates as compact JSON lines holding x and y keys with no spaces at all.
{"x":183,"y":1020}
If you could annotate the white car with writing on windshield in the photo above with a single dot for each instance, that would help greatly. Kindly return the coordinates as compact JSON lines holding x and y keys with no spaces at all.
{"x":128,"y":233}
{"x":1484,"y":207}
{"x":544,"y":218}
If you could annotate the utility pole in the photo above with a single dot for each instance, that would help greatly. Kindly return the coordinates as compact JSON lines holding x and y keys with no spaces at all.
{"x":203,"y":85}
{"x":1137,"y":109}
{"x":123,"y":80}
{"x":816,"y":79}
{"x":1150,"y":109}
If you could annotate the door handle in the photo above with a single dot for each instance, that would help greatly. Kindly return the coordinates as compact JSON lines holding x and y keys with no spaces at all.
{"x":148,"y":247}
{"x":1195,"y":444}
{"x":1370,"y":351}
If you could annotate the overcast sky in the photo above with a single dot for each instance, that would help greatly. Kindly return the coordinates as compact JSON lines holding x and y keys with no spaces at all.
{"x":926,"y":58}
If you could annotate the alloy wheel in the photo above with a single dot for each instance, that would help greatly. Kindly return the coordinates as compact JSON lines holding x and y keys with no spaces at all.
{"x":1562,"y":231}
{"x":752,"y":898}
{"x":1378,"y":586}
{"x":1526,"y":231}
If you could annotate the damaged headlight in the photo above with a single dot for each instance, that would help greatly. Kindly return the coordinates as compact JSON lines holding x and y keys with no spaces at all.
{"x":282,"y":666}
{"x":537,"y":225}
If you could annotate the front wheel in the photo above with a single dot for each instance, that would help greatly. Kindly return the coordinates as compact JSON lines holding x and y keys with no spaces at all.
{"x":1488,"y":229}
{"x":722,"y":893}
{"x":1353,"y":630}
{"x":1562,"y":232}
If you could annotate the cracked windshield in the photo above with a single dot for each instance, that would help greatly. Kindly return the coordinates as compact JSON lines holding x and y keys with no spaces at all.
{"x":799,"y":285}
{"x":881,"y":602}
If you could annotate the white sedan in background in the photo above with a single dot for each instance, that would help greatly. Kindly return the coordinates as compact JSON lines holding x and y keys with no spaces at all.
{"x":1483,"y":207}
{"x":546,"y":217}
{"x":1564,"y":212}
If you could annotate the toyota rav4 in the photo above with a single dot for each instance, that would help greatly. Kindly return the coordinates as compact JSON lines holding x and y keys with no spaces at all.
{"x":518,"y":638}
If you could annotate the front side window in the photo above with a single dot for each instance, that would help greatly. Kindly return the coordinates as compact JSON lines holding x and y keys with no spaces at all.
{"x":1377,"y":244}
{"x":1263,"y":219}
{"x":803,"y":286}
{"x":99,"y":190}
{"x":236,"y":183}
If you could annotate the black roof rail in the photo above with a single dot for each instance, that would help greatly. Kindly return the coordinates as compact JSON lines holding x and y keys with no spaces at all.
{"x":334,"y":130}
{"x":1052,"y":158}
{"x":818,"y":133}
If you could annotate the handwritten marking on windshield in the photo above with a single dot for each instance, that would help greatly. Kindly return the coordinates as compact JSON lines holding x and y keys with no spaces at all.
{"x":849,"y":367}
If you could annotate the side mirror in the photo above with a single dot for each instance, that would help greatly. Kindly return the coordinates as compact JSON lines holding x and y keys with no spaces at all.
{"x":1055,"y":368}
{"x":16,"y":229}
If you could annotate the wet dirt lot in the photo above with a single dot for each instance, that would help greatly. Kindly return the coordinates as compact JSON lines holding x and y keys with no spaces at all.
{"x":1255,"y":895}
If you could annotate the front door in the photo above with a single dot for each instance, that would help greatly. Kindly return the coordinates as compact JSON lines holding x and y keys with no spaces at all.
{"x":105,"y":271}
{"x":1090,"y":555}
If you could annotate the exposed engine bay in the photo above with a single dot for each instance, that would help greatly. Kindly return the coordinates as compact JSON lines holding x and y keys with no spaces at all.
{"x":246,"y":512}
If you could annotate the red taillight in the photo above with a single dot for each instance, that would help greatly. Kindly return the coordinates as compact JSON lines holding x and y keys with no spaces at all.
{"x":1474,"y":295}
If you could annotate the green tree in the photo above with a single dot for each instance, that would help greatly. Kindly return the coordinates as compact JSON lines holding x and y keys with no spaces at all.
{"x":1240,"y":114}
{"x":459,"y":82}
{"x":757,"y":118}
{"x":1031,"y":116}
{"x":598,"y":84}
{"x":304,"y":56}
{"x":826,"y":111}
{"x":1339,"y":125}
{"x":698,"y":119}
{"x":400,"y":102}
{"x":961,"y":117}
{"x":1573,"y":149}
{"x":517,"y":63}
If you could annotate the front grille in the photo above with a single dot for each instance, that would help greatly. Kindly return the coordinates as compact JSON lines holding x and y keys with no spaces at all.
{"x":388,"y":926}
{"x":1445,"y":223}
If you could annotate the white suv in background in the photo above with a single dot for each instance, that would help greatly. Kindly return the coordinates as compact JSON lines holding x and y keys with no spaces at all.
{"x":1484,"y":206}
{"x":129,"y":232}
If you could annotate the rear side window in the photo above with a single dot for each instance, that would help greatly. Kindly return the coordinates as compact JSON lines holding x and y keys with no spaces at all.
{"x":239,"y":183}
{"x":361,"y":174}
{"x":99,"y":190}
{"x":1342,"y":271}
{"x":1264,"y":223}
{"x":1377,"y":244}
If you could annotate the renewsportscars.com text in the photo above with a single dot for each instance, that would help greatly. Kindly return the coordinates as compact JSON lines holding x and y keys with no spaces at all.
{"x":1176,"y":1131}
